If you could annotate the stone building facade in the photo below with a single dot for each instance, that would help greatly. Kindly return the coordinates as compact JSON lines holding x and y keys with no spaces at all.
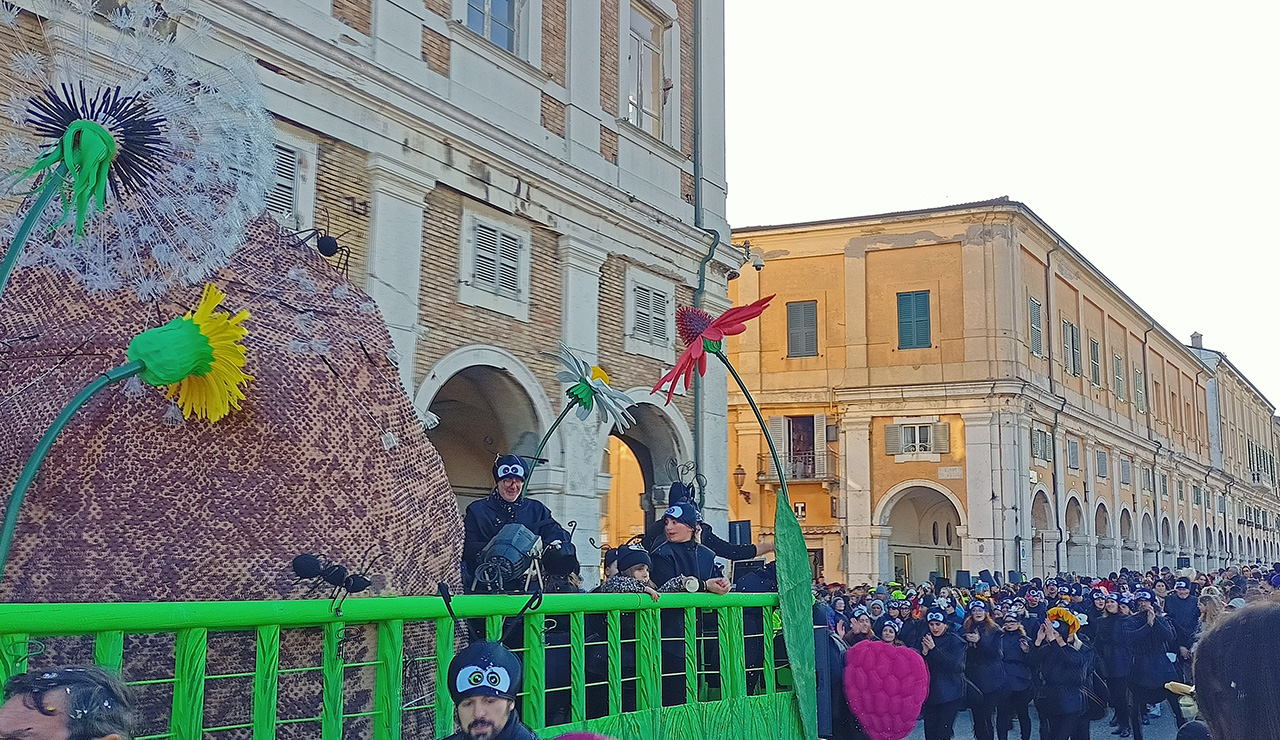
{"x":959,"y":389}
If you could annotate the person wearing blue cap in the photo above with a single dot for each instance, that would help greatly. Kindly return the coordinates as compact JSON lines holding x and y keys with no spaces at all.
{"x":1149,"y":633}
{"x":944,"y":654}
{"x":484,"y":681}
{"x":683,"y":557}
{"x":984,"y":667}
{"x":680,"y":493}
{"x":507,"y":504}
{"x":1115,"y":661}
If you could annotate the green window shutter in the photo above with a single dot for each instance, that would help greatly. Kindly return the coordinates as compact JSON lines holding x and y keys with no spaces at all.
{"x":811,"y":330}
{"x":1118,"y":366}
{"x":1095,"y":362}
{"x":892,"y":439}
{"x":914,"y":330}
{"x":1037,"y":330}
{"x":1075,"y":350}
{"x":802,"y":329}
{"x":942,"y":438}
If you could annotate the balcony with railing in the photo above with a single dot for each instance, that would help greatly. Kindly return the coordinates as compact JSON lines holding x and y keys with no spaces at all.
{"x":802,"y":466}
{"x":293,"y":669}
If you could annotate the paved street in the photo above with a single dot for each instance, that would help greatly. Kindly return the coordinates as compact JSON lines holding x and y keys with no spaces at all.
{"x":1161,"y":728}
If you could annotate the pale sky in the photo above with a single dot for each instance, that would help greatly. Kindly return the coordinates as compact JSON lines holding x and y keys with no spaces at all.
{"x":1144,"y":133}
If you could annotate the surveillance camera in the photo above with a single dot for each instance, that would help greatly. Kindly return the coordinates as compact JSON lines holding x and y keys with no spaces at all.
{"x":757,"y":261}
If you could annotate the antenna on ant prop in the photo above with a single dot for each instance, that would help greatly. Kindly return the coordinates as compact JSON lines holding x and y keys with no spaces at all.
{"x":326,"y":244}
{"x":534,"y":602}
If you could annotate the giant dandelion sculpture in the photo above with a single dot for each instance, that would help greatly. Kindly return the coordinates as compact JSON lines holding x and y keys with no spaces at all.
{"x":140,"y":164}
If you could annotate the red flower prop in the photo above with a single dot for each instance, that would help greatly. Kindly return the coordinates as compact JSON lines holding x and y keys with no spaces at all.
{"x":702,"y":333}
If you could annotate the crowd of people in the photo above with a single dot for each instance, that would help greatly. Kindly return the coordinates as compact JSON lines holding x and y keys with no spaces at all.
{"x":1080,"y":649}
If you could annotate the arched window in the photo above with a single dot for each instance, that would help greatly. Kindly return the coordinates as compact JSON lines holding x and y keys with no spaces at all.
{"x":935,"y":533}
{"x":948,"y":534}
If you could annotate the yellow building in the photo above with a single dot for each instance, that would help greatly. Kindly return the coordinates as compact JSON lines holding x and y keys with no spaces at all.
{"x":958,"y":389}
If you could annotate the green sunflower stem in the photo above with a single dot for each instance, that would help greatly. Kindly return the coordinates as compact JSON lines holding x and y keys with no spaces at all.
{"x":110,"y":377}
{"x":47,"y":191}
{"x":537,"y":454}
{"x":795,"y":590}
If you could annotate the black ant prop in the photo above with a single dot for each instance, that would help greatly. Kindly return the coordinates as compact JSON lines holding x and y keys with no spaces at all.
{"x":314,"y":568}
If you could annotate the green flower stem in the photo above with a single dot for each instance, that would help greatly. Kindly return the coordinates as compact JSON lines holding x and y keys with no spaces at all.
{"x":547,"y":437}
{"x":49,"y":189}
{"x":112,"y":376}
{"x":795,"y":591}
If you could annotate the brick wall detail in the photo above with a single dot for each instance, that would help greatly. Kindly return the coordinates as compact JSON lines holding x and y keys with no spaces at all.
{"x":687,"y":183}
{"x":435,"y":51}
{"x":442,"y":8}
{"x":342,"y":193}
{"x":555,"y":31}
{"x":609,"y":57}
{"x":553,"y":115}
{"x":452,"y":325}
{"x":355,"y":13}
{"x":609,"y":144}
{"x":688,"y":76}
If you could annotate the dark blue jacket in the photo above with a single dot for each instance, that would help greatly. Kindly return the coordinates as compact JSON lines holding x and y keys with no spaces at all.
{"x":946,"y":668}
{"x":671,"y":559}
{"x":1016,"y":664}
{"x":486,"y":517}
{"x":984,"y":666}
{"x":1063,"y":670}
{"x":1150,"y":643}
{"x":1185,"y":616}
{"x":1115,"y":650}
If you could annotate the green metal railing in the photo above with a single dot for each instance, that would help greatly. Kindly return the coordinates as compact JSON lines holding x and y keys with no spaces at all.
{"x":379,"y":670}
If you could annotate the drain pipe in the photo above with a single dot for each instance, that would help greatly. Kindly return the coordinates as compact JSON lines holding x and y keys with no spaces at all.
{"x":1053,"y":471}
{"x":697,"y":222}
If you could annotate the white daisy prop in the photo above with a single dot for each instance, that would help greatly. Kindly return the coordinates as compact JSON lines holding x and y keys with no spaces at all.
{"x":158,"y":159}
{"x":590,"y":388}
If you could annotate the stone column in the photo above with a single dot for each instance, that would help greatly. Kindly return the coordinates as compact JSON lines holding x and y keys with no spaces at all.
{"x":863,"y":559}
{"x":715,"y":424}
{"x":581,"y":498}
{"x":397,"y":191}
{"x":980,"y":540}
{"x":882,"y":563}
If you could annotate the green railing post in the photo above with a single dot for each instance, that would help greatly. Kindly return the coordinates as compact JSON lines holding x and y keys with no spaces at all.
{"x":14,"y":649}
{"x":691,"y":655}
{"x":493,"y":627}
{"x":186,"y":722}
{"x":334,"y":675}
{"x":770,"y":668}
{"x":444,"y":655}
{"x":108,"y":651}
{"x":733,"y":666}
{"x":266,"y":682}
{"x":648,"y":659}
{"x":535,"y":677}
{"x":390,"y":689}
{"x":577,"y":668}
{"x":614,"y":620}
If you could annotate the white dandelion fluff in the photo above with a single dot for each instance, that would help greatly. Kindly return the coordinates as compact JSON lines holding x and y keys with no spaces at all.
{"x":186,"y":145}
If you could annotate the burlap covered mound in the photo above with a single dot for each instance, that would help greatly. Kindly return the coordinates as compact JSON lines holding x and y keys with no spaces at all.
{"x":131,"y":506}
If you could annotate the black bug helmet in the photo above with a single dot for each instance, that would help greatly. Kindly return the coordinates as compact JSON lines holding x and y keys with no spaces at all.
{"x":484,"y":669}
{"x":510,"y":466}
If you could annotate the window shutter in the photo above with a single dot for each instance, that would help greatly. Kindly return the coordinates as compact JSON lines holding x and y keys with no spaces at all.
{"x":1118,"y":362}
{"x":641,"y":312}
{"x":810,"y":325}
{"x":510,"y":247}
{"x":1037,"y":330}
{"x":1095,"y":362}
{"x":282,"y":200}
{"x":778,"y":432}
{"x":941,"y":438}
{"x":658,"y":316}
{"x":923,"y":329}
{"x":795,"y":330}
{"x":1066,"y":346}
{"x":892,"y":439}
{"x":1037,"y":444}
{"x":1075,"y":350}
{"x":906,"y":321}
{"x":1102,"y":463}
{"x":486,"y":256}
{"x":820,"y":446}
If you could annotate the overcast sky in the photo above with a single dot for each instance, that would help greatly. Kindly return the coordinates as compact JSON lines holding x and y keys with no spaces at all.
{"x":1144,"y":133}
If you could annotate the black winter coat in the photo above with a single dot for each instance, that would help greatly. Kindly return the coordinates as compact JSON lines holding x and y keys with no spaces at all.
{"x":486,"y":517}
{"x":984,"y":665}
{"x":671,"y":559}
{"x":1015,"y":663}
{"x":1150,"y":642}
{"x":656,"y":535}
{"x":1063,"y":670}
{"x":1115,"y":650}
{"x":946,"y":668}
{"x":515,"y":730}
{"x":1185,"y":616}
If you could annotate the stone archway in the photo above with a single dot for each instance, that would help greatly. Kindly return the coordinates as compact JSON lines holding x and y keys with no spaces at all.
{"x":1197,"y":550}
{"x":1106,"y":552}
{"x":926,"y":525}
{"x":1182,"y":540}
{"x":1044,"y":541}
{"x":639,"y":465}
{"x":1077,"y":537}
{"x":1149,"y":545}
{"x":1129,"y":557}
{"x":487,"y":403}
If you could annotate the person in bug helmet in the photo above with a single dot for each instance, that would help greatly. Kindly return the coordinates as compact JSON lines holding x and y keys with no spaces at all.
{"x":484,"y":680}
{"x":68,"y":703}
{"x":507,"y":504}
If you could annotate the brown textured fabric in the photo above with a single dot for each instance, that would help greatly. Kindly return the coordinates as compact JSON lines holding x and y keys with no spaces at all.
{"x":129,"y":507}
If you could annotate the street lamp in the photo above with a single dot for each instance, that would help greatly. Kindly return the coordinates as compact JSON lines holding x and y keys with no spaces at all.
{"x":739,"y":480}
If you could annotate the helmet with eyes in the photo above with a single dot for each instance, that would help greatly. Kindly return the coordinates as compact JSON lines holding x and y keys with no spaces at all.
{"x":510,"y":466}
{"x":484,"y":669}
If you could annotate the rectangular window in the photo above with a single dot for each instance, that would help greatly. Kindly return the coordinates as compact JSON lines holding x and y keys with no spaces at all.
{"x":495,"y":20}
{"x":1073,"y":454}
{"x":916,"y":437}
{"x":1035,"y":320}
{"x":905,"y":439}
{"x":835,"y":507}
{"x":1101,"y":459}
{"x":1126,"y":472}
{"x":1148,"y":481}
{"x":650,"y":312}
{"x":1197,"y":497}
{"x":1222,"y":504}
{"x":799,"y":459}
{"x":497,"y":260}
{"x":802,"y":329}
{"x":1139,"y":392}
{"x":1040,"y":444}
{"x":1095,"y":362}
{"x":1181,"y":494}
{"x":1070,"y":348}
{"x":1118,"y":371}
{"x":913,"y":320}
{"x":645,"y":79}
{"x":1164,"y":485}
